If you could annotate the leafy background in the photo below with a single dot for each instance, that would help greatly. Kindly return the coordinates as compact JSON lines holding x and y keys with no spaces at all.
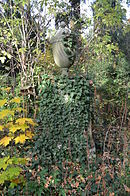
{"x":58,"y":135}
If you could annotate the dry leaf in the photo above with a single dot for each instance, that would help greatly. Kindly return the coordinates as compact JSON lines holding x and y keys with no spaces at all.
{"x":111,"y":194}
{"x":127,"y":189}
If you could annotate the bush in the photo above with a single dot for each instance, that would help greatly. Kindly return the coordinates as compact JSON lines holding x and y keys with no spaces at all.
{"x":14,"y":131}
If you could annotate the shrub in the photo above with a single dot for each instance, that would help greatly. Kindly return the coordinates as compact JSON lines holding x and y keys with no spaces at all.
{"x":14,"y":131}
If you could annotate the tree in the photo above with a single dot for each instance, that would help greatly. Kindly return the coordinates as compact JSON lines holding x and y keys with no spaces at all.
{"x":23,"y":38}
{"x":75,"y":17}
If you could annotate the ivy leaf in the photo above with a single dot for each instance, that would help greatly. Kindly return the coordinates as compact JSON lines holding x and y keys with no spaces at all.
{"x":5,"y":141}
{"x":21,"y":138}
{"x":2,"y":102}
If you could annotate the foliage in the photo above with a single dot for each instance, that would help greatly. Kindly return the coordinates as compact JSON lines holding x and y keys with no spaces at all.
{"x":14,"y":130}
{"x":71,"y":178}
{"x":60,"y":159}
{"x":103,"y":45}
{"x":21,"y":40}
{"x":64,"y":117}
{"x":61,"y":168}
{"x":64,"y":114}
{"x":11,"y":170}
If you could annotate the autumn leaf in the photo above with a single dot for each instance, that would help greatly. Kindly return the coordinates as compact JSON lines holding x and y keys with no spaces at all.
{"x":111,"y":194}
{"x":16,"y":127}
{"x":29,"y":134}
{"x":6,"y":89}
{"x":22,"y":161}
{"x":5,"y":141}
{"x":77,"y":184}
{"x":9,"y":124}
{"x":98,"y":179}
{"x":21,"y":138}
{"x":19,"y":109}
{"x":28,"y":120}
{"x":17,"y":181}
{"x":1,"y":127}
{"x":2,"y":102}
{"x":15,"y":100}
{"x":5,"y":113}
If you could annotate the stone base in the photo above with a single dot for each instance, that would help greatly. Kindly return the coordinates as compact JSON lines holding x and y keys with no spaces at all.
{"x":64,"y":71}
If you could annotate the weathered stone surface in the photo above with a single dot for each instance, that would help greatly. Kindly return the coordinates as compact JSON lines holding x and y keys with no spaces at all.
{"x":61,"y":58}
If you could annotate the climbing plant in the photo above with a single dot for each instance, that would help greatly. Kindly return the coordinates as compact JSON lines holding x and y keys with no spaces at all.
{"x":62,"y":138}
{"x":65,"y":115}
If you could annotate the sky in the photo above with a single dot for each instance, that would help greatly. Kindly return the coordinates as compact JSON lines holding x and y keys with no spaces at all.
{"x":127,"y":7}
{"x":86,"y":7}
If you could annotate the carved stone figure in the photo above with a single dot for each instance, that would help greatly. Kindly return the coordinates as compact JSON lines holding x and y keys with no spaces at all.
{"x":63,"y":50}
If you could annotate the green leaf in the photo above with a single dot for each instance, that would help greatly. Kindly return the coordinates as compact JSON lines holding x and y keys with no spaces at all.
{"x":9,"y":56}
{"x":2,"y":59}
{"x":3,"y":163}
{"x":13,"y":172}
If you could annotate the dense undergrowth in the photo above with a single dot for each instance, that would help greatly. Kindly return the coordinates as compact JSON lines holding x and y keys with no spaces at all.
{"x":101,"y":168}
{"x":59,"y":135}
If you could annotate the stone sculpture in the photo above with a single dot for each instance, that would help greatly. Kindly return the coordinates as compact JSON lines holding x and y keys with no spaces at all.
{"x":62,"y":47}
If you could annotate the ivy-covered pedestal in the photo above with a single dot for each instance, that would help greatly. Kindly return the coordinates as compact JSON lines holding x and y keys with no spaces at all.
{"x":64,"y":115}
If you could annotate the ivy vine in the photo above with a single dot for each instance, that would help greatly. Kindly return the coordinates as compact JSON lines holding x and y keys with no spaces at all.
{"x":64,"y":116}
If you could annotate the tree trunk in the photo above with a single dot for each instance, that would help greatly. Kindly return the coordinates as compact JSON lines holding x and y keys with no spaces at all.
{"x":75,"y":16}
